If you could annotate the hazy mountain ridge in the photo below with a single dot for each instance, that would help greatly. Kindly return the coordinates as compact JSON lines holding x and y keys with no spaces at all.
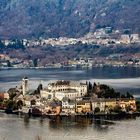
{"x":72,"y":18}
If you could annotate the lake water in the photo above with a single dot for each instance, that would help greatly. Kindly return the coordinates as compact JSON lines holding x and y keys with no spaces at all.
{"x":121,"y":78}
{"x":14,"y":127}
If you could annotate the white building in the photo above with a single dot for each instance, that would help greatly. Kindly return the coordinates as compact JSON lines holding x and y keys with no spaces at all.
{"x":25,"y":85}
{"x":134,"y":38}
{"x":69,"y":93}
{"x":70,"y":89}
{"x":68,"y":106}
{"x":125,"y":39}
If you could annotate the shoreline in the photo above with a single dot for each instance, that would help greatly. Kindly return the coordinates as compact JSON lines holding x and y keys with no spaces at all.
{"x":63,"y":67}
{"x":89,"y":115}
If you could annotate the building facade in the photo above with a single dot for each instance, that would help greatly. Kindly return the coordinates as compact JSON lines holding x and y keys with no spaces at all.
{"x":68,"y":106}
{"x":98,"y":103}
{"x":83,"y":106}
{"x":61,"y":89}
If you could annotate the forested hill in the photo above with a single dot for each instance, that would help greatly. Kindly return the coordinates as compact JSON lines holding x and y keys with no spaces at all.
{"x":71,"y":18}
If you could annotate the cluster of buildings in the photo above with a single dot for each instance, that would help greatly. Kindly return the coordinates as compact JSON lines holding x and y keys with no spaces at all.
{"x":101,"y":36}
{"x":61,"y":89}
{"x":68,"y":98}
{"x":116,"y":60}
{"x":119,"y":60}
{"x":6,"y":61}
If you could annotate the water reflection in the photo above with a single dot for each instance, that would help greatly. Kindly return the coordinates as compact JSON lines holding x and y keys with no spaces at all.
{"x":41,"y":121}
{"x":26,"y":121}
{"x":14,"y":127}
{"x":77,"y":122}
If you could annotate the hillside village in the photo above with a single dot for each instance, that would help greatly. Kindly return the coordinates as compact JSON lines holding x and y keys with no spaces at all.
{"x":102,"y":36}
{"x":67,"y":98}
{"x":105,"y":46}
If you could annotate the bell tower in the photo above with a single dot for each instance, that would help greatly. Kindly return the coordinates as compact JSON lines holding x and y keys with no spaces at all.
{"x":24,"y":85}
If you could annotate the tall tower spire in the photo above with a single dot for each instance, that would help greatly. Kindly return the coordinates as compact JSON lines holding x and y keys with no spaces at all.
{"x":24,"y":85}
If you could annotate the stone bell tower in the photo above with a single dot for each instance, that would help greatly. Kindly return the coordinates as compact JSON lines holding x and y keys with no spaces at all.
{"x":25,"y":85}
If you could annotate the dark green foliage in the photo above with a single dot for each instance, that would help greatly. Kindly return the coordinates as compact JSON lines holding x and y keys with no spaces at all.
{"x":123,"y":96}
{"x":107,"y":92}
{"x":9,"y":63}
{"x":19,"y":104}
{"x":16,"y":44}
{"x":10,"y":104}
{"x":90,"y":87}
{"x":127,"y":31}
{"x":128,"y":95}
{"x":1,"y":45}
{"x":138,"y":105}
{"x":1,"y":100}
{"x":40,"y":87}
{"x":97,"y":110}
{"x":37,"y":91}
{"x":35,"y":62}
{"x":12,"y":95}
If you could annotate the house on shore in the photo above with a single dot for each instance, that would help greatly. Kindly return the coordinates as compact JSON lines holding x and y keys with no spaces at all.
{"x":68,"y":106}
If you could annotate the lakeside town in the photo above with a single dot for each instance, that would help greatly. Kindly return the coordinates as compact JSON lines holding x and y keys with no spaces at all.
{"x":39,"y":54}
{"x":67,"y":98}
{"x":102,"y":36}
{"x":15,"y":63}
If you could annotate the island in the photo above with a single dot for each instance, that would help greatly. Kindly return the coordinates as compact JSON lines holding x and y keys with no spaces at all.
{"x":68,"y":98}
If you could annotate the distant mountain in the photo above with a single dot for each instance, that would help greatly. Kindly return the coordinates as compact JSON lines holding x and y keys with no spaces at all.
{"x":71,"y":18}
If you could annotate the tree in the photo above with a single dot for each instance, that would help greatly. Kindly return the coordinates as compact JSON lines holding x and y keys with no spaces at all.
{"x":16,"y":44}
{"x":40,"y":87}
{"x":1,"y":102}
{"x":33,"y":102}
{"x":95,"y":84}
{"x":97,"y":110}
{"x":89,"y":87}
{"x":9,"y":63}
{"x":1,"y":45}
{"x":128,"y":95}
{"x":138,"y":105}
{"x":123,"y":96}
{"x":12,"y":95}
{"x":35,"y":62}
{"x":127,"y":31}
{"x":10,"y":104}
{"x":19,"y":104}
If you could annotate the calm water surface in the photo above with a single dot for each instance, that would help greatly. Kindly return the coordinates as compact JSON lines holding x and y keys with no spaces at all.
{"x":14,"y":127}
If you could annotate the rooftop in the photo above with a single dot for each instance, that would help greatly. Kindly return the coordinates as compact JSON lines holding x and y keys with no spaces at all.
{"x":67,"y":83}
